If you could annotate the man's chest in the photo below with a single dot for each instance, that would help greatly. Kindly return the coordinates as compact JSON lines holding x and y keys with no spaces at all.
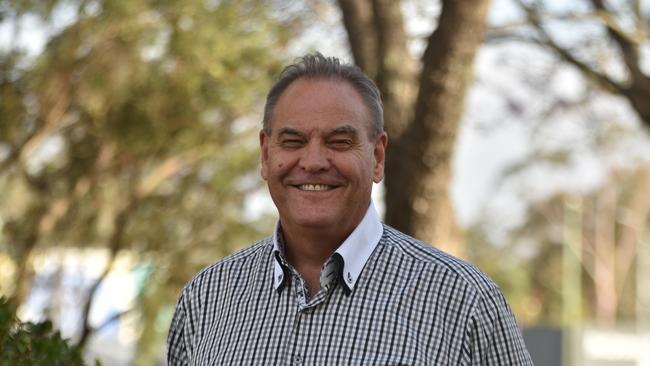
{"x":371,"y":326}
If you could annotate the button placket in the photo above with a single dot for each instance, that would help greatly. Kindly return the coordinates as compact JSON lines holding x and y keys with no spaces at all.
{"x":300,"y":293}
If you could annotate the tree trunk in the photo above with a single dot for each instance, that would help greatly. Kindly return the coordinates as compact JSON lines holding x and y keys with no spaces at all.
{"x":25,"y":235}
{"x":358,"y":21}
{"x":605,"y":255}
{"x":24,"y":271}
{"x":422,"y":114}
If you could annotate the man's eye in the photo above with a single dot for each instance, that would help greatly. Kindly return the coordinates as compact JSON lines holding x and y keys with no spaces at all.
{"x":341,"y":144}
{"x":292,"y":143}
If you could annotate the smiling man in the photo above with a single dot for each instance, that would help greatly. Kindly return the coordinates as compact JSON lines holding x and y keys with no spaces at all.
{"x":333,"y":285}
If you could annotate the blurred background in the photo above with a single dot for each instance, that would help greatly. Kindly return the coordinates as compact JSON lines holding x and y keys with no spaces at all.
{"x":519,"y":141}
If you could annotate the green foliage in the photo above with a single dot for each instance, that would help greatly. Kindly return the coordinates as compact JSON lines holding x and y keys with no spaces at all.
{"x":135,"y":129}
{"x":149,"y":105}
{"x":25,"y":343}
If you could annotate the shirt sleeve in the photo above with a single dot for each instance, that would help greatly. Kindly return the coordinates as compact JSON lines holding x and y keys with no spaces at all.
{"x":176,"y":342}
{"x":492,"y":336}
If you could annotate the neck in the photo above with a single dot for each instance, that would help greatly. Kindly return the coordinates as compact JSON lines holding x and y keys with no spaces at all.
{"x":311,"y":246}
{"x":306,"y":247}
{"x":307,"y":251}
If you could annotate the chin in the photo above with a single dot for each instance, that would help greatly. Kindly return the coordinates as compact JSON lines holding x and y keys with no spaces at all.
{"x":310,"y":218}
{"x":314,"y":222}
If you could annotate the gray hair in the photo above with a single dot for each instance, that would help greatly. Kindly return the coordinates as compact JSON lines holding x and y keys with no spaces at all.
{"x":318,"y":66}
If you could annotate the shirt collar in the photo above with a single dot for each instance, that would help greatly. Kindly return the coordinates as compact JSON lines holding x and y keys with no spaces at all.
{"x":355,"y":250}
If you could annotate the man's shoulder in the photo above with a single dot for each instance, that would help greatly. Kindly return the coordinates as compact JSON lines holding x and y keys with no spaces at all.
{"x":431,"y":257}
{"x":234,"y":261}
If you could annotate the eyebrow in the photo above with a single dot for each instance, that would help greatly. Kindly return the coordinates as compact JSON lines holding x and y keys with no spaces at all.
{"x":345,"y":129}
{"x":291,"y":131}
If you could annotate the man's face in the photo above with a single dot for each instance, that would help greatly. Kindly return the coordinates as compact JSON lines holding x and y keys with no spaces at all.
{"x":319,"y":161}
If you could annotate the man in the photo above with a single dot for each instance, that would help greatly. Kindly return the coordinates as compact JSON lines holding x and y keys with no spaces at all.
{"x":333,"y":286}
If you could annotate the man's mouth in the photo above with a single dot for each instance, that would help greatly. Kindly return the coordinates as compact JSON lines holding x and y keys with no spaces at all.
{"x":314,"y":187}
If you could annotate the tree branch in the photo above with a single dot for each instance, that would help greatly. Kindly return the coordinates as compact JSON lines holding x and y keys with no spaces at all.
{"x":164,"y":171}
{"x":116,"y":243}
{"x":86,"y":329}
{"x":357,"y":19}
{"x":11,"y":158}
{"x":397,"y":68}
{"x":603,"y":80}
{"x":16,"y":150}
{"x":638,"y":15}
{"x":633,"y":224}
{"x":627,"y":44}
{"x":113,"y":318}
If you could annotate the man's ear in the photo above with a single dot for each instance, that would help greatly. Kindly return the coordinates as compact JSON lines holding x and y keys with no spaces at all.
{"x":264,"y":154}
{"x":379,"y":153}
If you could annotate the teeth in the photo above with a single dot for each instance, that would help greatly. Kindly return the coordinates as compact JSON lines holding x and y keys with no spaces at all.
{"x":313,"y":187}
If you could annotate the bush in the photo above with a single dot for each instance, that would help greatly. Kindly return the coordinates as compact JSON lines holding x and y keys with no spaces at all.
{"x":26,"y":343}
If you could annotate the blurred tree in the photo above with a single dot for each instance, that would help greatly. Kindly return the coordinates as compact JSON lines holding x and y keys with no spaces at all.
{"x":423,"y":103}
{"x":604,"y":42}
{"x":594,"y":237}
{"x":131,"y":130}
{"x":612,"y":223}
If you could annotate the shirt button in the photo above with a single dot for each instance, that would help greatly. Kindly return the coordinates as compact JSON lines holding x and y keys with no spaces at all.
{"x":297,"y":359}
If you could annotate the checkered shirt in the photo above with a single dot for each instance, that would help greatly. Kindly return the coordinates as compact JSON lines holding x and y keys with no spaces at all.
{"x":411,"y":305}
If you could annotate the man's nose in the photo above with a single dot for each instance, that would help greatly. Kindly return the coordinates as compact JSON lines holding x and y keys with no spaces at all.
{"x":314,"y":157}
